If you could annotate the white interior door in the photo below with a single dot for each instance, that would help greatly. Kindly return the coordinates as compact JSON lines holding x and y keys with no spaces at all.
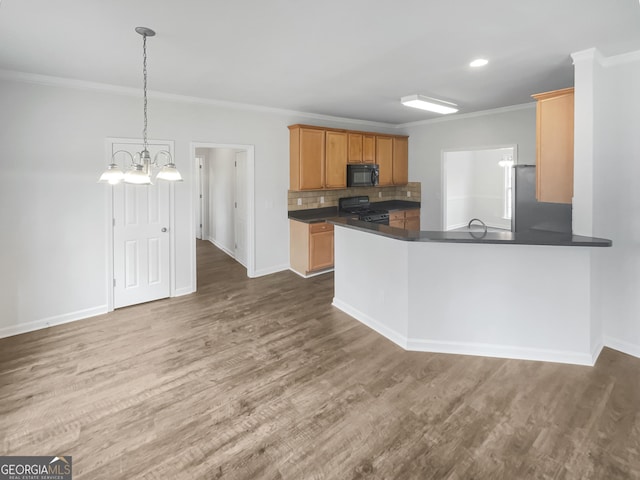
{"x":141,"y":241}
{"x":240,"y":217}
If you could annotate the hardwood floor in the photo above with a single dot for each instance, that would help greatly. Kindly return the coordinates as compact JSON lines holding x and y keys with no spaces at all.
{"x":263,"y":379}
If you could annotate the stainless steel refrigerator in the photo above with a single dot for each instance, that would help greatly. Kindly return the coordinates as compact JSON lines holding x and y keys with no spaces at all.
{"x":529,"y":214}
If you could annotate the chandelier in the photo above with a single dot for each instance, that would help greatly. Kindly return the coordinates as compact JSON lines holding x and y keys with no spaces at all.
{"x":139,"y":172}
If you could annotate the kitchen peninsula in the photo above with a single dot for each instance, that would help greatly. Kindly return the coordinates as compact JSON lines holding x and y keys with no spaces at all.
{"x":511,"y":295}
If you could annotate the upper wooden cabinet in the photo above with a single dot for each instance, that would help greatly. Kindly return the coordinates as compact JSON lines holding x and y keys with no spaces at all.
{"x":554,"y":146}
{"x":384,"y":158}
{"x":306,"y":152}
{"x":400,"y":160}
{"x":336,"y":159}
{"x":355,"y":148}
{"x":368,"y":149}
{"x":319,"y":156}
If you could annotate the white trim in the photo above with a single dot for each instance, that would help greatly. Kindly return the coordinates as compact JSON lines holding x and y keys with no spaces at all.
{"x":109,"y":141}
{"x":465,"y":348}
{"x":183,"y":291}
{"x":594,"y":55}
{"x":314,"y":274}
{"x":251,"y":204}
{"x":622,"y":346}
{"x":462,"y":116}
{"x":622,"y":59}
{"x":51,"y":81}
{"x":590,"y":54}
{"x":269,"y":270}
{"x":374,"y":325}
{"x":52,"y":321}
{"x":221,"y":247}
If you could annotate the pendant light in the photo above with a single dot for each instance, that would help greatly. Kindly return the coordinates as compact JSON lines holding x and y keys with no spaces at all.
{"x":139,"y":172}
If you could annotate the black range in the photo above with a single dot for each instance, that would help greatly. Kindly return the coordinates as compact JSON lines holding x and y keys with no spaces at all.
{"x":361,"y":207}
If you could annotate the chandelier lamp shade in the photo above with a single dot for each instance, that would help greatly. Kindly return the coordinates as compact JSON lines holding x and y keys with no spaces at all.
{"x":140,"y":169}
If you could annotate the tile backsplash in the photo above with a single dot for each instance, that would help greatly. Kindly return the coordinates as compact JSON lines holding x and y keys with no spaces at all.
{"x":311,"y":199}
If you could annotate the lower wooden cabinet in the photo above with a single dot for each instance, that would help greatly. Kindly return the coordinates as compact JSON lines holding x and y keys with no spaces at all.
{"x":406,"y":219}
{"x":311,"y":246}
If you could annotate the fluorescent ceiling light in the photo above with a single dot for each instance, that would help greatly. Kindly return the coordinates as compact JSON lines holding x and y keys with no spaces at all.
{"x":428,"y":103}
{"x":479,"y":62}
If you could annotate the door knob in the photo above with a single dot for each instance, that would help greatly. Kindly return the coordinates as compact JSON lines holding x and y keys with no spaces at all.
{"x":164,"y":229}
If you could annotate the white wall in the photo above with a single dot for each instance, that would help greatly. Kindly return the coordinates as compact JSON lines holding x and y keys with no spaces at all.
{"x":427,"y":141}
{"x":222,"y":180}
{"x":53,"y":244}
{"x":475,"y":188}
{"x":615,"y":159}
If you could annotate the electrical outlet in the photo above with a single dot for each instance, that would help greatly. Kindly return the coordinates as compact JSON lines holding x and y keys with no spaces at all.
{"x":379,"y":194}
{"x":408,"y":193}
{"x":299,"y":201}
{"x":321,"y":199}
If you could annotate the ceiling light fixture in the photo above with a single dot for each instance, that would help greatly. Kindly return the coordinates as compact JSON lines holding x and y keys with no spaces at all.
{"x":428,"y":103}
{"x":141,"y":163}
{"x":479,"y":62}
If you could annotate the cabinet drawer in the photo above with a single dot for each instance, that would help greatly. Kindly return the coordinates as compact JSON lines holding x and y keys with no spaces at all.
{"x":396,"y":216}
{"x":320,"y":227}
{"x":412,"y":213}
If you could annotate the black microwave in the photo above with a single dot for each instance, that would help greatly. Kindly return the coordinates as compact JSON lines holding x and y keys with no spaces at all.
{"x":362,"y":175}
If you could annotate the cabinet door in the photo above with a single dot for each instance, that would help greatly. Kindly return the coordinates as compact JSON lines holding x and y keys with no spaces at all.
{"x":384,"y":158}
{"x":400,"y":161}
{"x":320,"y":250}
{"x":554,"y":141}
{"x":336,"y":160}
{"x":368,"y":149}
{"x":311,"y":159}
{"x":396,"y":219}
{"x":412,"y":219}
{"x":355,"y":148}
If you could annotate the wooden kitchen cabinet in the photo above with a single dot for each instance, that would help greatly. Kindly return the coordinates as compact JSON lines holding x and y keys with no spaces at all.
{"x":400,"y":160}
{"x":355,"y":148}
{"x":406,"y":219}
{"x":554,"y":146}
{"x":311,"y":247}
{"x":384,"y":158}
{"x":368,"y":148}
{"x":336,"y":150}
{"x":306,"y":158}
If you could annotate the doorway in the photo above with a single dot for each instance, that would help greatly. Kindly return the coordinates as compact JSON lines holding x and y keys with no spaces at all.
{"x":224,"y":200}
{"x":477,"y":184}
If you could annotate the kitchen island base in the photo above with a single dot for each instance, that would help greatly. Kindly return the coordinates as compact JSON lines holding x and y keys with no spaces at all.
{"x":513,"y":301}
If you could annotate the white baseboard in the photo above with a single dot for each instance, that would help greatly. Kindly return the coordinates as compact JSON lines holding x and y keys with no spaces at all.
{"x":269,"y":270}
{"x":374,"y":325}
{"x":464,"y":348}
{"x":12,"y":330}
{"x":622,"y":346}
{"x":222,"y":247}
{"x":179,"y":292}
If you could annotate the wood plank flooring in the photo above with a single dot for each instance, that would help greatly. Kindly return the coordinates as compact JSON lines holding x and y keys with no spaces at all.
{"x":263,"y":379}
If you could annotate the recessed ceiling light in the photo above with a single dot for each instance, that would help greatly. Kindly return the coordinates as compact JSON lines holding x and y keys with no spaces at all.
{"x":428,"y":103}
{"x":479,"y":62}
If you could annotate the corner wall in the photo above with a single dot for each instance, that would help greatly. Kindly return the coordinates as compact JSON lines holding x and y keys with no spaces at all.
{"x":616,"y":196}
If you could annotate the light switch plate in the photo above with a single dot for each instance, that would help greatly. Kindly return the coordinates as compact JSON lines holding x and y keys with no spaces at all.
{"x":321,"y":199}
{"x":299,"y":201}
{"x":408,"y":194}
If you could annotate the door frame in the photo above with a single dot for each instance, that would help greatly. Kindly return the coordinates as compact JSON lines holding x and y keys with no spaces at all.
{"x":108,"y":146}
{"x":443,"y":172}
{"x":250,"y":178}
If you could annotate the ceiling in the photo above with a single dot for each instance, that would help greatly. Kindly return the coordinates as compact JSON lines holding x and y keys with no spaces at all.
{"x":346,"y":58}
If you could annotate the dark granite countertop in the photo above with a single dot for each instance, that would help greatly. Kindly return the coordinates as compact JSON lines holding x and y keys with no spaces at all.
{"x":315,"y":215}
{"x":526,"y":238}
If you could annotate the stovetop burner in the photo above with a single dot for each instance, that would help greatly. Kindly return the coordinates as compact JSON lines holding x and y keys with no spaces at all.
{"x":361,"y":206}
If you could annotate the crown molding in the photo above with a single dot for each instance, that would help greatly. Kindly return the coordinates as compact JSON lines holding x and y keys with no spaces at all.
{"x":48,"y":80}
{"x":594,"y":55}
{"x":482,"y":113}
